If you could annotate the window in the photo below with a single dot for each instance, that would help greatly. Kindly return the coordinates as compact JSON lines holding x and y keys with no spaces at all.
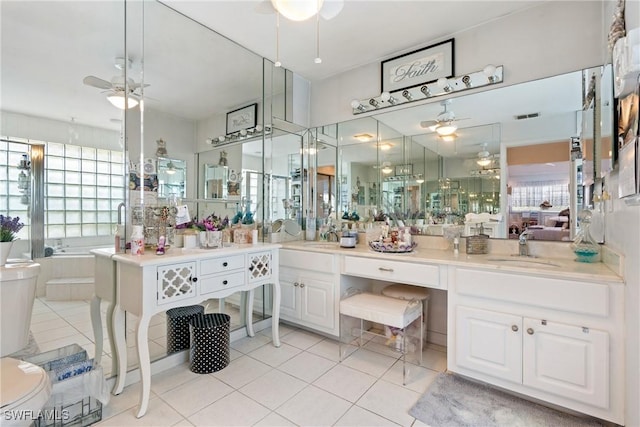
{"x":83,"y":187}
{"x":529,"y":195}
{"x":13,"y":201}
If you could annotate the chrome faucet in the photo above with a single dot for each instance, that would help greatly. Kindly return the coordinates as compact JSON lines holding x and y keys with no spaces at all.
{"x":522,"y":244}
{"x":333,"y":232}
{"x":121,"y":207}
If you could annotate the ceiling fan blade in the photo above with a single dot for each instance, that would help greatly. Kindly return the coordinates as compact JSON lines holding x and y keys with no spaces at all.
{"x":134,"y":85}
{"x":428,"y":123}
{"x":97,"y":82}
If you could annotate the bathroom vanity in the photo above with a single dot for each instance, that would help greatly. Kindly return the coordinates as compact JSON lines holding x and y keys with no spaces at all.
{"x":548,"y":329}
{"x":149,"y":284}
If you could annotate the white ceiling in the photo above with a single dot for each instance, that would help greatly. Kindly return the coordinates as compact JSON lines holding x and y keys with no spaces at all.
{"x":48,"y":47}
{"x":365,"y":31}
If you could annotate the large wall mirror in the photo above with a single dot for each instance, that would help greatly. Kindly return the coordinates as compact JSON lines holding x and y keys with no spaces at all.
{"x":508,"y":158}
{"x":191,"y":77}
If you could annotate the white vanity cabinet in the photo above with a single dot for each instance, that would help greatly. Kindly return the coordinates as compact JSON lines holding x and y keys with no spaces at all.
{"x":555,"y":340}
{"x":309,"y":283}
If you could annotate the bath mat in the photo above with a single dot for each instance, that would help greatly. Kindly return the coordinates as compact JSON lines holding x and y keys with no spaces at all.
{"x":454,"y":401}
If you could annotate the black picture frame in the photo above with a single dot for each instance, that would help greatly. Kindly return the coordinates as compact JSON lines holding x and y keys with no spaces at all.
{"x":417,"y":67}
{"x":242,"y":118}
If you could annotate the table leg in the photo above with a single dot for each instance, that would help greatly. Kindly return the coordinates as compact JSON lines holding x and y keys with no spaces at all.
{"x":110,"y":334}
{"x":144,"y":363}
{"x":248,"y":307}
{"x":119,"y":334}
{"x":96,"y":323}
{"x":275,"y":314}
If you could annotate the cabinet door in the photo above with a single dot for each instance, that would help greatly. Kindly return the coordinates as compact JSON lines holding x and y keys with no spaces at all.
{"x":176,"y":282}
{"x":289,"y":295}
{"x":317,"y":302}
{"x":570,"y":361}
{"x":259,"y":266}
{"x":489,"y":342}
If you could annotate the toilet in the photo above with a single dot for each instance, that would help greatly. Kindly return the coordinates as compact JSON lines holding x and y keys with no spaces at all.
{"x":24,"y":390}
{"x":17,"y":293}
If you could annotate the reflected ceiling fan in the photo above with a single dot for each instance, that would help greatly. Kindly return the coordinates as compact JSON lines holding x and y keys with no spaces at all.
{"x":484,"y":158}
{"x":118,"y":86}
{"x":445,"y":122}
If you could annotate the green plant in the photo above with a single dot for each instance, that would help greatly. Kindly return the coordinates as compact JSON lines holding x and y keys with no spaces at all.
{"x":9,"y":227}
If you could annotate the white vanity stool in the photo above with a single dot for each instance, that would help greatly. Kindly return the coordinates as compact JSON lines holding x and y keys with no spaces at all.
{"x":393,"y":313}
{"x":410,"y":292}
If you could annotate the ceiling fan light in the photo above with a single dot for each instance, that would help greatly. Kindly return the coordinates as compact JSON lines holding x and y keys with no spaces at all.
{"x":446,"y":129}
{"x":297,"y":10}
{"x":448,"y":138}
{"x":485,"y":161}
{"x":117,"y":99}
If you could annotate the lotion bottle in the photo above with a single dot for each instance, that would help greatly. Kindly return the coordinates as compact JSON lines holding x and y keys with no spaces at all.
{"x":137,"y":241}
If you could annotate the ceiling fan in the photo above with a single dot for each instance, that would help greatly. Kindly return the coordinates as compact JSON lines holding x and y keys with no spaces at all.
{"x":118,"y":86}
{"x":485,"y":158}
{"x":444,"y":123}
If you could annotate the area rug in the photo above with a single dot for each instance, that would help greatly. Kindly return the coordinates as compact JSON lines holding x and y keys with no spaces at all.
{"x":454,"y":401}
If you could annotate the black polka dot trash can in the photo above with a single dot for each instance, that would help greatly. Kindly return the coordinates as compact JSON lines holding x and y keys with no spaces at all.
{"x":209,"y":342}
{"x":178,"y":326}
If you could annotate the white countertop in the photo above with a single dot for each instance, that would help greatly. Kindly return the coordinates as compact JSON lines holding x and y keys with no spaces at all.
{"x":181,"y":254}
{"x":562,"y":268}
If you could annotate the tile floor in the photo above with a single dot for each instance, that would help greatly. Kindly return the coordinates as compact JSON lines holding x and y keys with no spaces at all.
{"x":300,"y":383}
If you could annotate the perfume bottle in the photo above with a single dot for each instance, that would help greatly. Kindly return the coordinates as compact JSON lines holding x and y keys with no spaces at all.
{"x":584,"y":245}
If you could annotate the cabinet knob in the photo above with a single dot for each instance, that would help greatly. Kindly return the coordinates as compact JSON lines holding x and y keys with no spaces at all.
{"x":194,"y":279}
{"x":530,"y":331}
{"x":514,"y":328}
{"x":224,"y":282}
{"x":296,"y":283}
{"x":302,"y":285}
{"x":224,"y":264}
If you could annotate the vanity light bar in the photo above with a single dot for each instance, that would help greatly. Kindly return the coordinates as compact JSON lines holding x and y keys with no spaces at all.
{"x":488,"y":76}
{"x":241,"y":135}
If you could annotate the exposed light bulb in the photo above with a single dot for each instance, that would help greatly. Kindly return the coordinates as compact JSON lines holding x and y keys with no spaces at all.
{"x":386,"y":97}
{"x":490,"y":72}
{"x":443,"y":83}
{"x":356,"y":105}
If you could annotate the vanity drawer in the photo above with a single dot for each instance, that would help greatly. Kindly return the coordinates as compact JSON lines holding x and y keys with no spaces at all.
{"x":311,"y":261}
{"x":393,"y":271}
{"x":221,"y":264}
{"x":565,"y":295}
{"x":221,"y":281}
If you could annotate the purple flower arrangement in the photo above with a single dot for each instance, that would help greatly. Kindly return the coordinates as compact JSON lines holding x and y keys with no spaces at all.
{"x":212,"y":223}
{"x":9,"y":227}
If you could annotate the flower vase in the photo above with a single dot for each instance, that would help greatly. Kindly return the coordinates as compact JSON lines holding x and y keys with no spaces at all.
{"x":202,"y":239}
{"x":214,"y":239}
{"x":5,"y":248}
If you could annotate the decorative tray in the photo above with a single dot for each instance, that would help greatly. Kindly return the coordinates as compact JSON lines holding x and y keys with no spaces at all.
{"x":397,"y":247}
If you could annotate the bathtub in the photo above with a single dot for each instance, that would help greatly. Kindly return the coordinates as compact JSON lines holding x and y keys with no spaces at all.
{"x":75,"y":263}
{"x":77,"y":250}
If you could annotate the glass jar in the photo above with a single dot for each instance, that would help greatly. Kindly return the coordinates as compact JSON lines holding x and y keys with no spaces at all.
{"x":584,"y":245}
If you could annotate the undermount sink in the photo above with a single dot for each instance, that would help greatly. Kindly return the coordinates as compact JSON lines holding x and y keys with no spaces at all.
{"x":521,"y":261}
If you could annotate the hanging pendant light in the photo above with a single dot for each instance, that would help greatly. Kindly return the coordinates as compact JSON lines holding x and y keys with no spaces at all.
{"x":318,"y":60}
{"x":297,"y":10}
{"x":277,"y":63}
